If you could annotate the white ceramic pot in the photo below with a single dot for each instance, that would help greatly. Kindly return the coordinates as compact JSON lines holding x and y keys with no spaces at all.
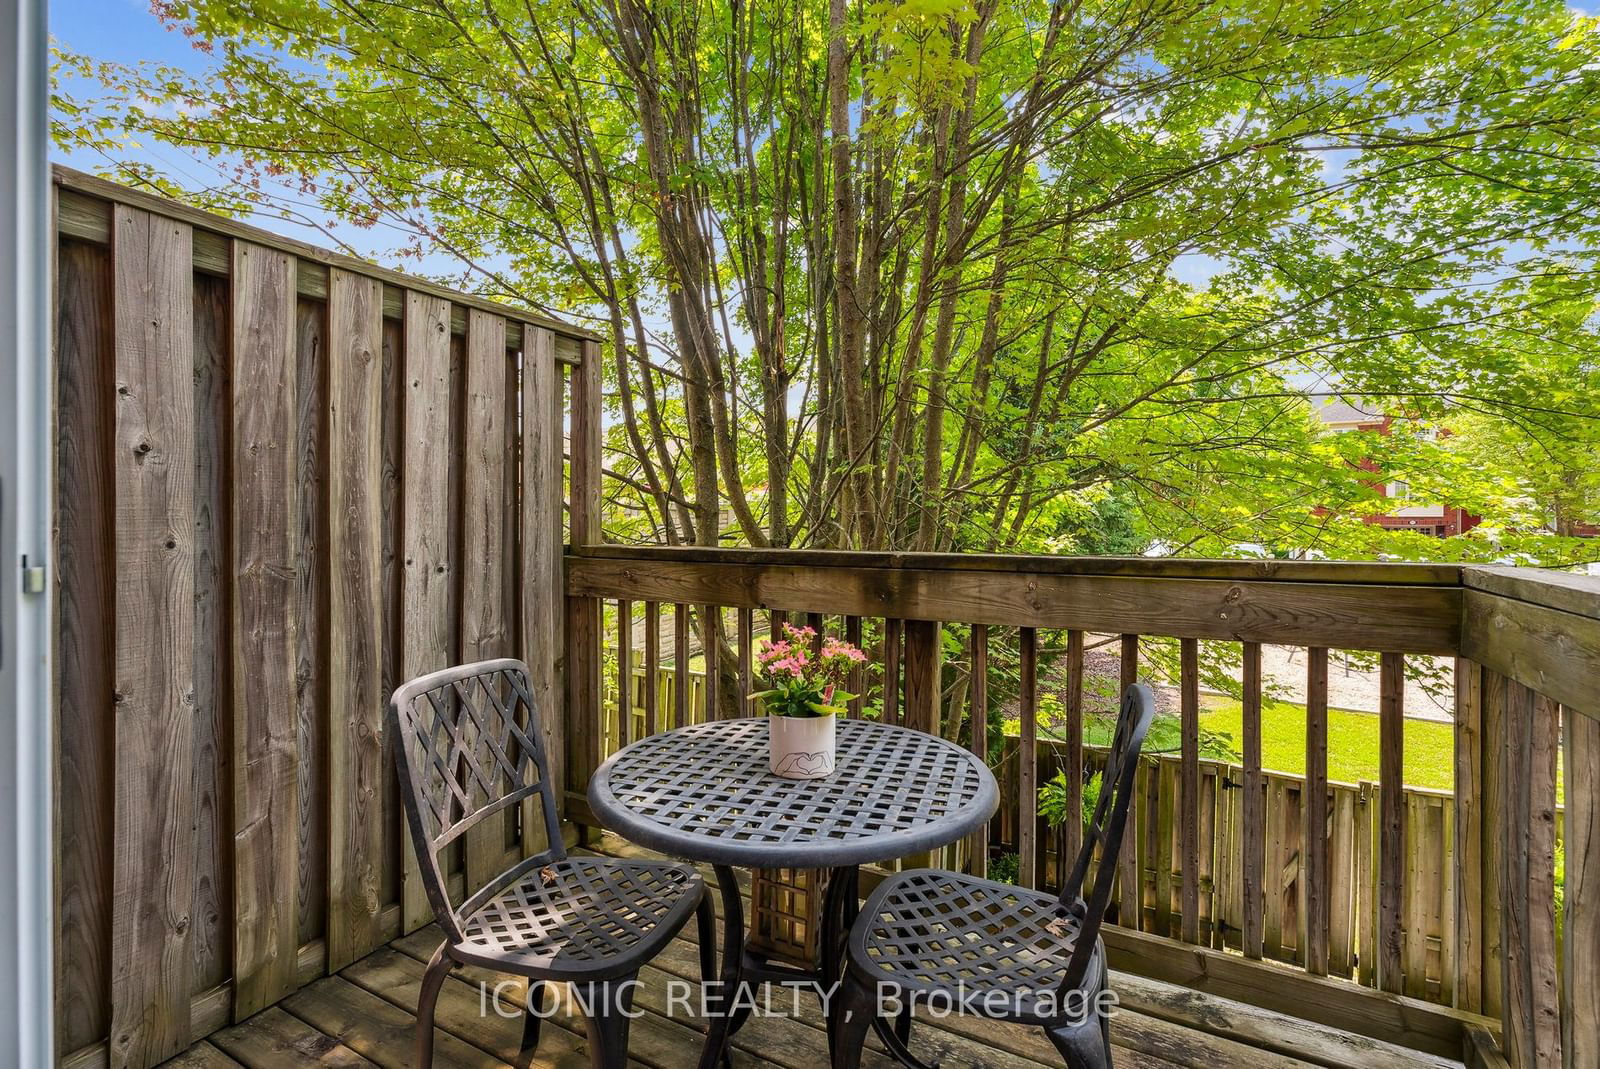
{"x":800,"y":747}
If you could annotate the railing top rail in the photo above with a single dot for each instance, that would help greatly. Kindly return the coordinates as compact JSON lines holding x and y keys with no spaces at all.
{"x":1299,"y":571}
{"x":1554,"y":590}
{"x":102,"y":189}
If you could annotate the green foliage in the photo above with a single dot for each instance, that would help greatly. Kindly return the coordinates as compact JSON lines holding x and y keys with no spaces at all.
{"x":1099,"y":251}
{"x":1004,"y":868}
{"x":1053,"y":799}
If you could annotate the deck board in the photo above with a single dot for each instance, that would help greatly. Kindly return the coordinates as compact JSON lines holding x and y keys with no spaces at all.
{"x":365,"y":1016}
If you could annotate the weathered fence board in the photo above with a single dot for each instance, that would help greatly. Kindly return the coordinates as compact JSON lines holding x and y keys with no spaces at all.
{"x":1580,"y":1009}
{"x":542,"y":586}
{"x":212,"y":922}
{"x":485,"y":630}
{"x":266,"y":620}
{"x":86,"y":576}
{"x":152,"y":468}
{"x":311,"y":611}
{"x":428,"y":643}
{"x":357,"y":620}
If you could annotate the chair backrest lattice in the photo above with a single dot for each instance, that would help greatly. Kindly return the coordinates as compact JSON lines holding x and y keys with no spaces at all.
{"x":1105,"y":830}
{"x":467,"y":743}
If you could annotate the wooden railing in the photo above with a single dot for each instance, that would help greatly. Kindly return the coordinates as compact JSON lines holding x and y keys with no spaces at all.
{"x":286,"y":480}
{"x":1527,"y":649}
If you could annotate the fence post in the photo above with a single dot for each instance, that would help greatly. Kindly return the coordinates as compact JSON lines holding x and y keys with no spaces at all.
{"x":583,"y":614}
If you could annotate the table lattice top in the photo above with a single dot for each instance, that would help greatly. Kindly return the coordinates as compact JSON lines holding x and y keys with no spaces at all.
{"x":704,"y":792}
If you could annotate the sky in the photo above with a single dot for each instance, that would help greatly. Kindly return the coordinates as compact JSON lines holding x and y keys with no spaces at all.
{"x":126,"y":31}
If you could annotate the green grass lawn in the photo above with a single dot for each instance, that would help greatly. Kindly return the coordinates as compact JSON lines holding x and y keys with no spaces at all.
{"x":1352,"y":743}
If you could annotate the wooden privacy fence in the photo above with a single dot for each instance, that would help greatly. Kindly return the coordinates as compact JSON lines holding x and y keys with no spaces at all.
{"x":1443,"y":913}
{"x":286,"y":480}
{"x":1351,"y":837}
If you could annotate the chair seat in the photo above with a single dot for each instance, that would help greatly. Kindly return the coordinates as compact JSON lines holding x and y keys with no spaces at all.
{"x":580,"y":918}
{"x":992,"y":949}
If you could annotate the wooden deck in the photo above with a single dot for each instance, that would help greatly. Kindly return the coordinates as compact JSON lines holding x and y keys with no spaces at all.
{"x":365,"y":1016}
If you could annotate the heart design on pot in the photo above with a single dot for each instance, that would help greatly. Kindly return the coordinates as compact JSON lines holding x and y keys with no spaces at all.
{"x":806,"y":764}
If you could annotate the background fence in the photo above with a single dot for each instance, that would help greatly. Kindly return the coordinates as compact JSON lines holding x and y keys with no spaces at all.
{"x":286,"y":480}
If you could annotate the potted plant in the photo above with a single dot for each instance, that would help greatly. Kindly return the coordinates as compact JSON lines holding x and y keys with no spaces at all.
{"x":802,"y":692}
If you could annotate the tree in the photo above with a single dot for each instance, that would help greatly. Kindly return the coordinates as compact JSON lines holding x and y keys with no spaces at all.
{"x":912,"y":275}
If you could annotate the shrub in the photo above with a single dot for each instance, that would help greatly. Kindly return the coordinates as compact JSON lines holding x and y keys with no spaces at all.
{"x":1053,"y":799}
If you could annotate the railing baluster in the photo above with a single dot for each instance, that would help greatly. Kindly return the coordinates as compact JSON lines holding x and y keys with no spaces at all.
{"x":710,"y":625}
{"x":1074,"y":748}
{"x":979,"y":724}
{"x":680,"y":664}
{"x":1468,"y":860}
{"x":776,"y":618}
{"x":1530,"y":1014}
{"x":746,"y":642}
{"x":922,"y":675}
{"x":652,"y":667}
{"x":624,"y":671}
{"x":1392,"y":820}
{"x":1580,"y":1009}
{"x":1189,"y":789}
{"x":856,"y":681}
{"x":1252,"y":810}
{"x":1130,"y":874}
{"x":1494,"y":802}
{"x":891,"y":671}
{"x":1028,"y":761}
{"x":1314,"y":816}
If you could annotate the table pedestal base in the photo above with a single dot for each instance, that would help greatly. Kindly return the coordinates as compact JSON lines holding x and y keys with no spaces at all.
{"x":740,"y":967}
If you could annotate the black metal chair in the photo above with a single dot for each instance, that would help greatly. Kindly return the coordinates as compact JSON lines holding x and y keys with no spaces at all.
{"x":468,"y":747}
{"x":959,"y":943}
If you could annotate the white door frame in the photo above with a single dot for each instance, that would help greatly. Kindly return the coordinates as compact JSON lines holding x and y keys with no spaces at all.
{"x":26,"y":715}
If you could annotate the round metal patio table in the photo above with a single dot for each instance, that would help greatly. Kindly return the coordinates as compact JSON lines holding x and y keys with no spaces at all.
{"x":704,"y":793}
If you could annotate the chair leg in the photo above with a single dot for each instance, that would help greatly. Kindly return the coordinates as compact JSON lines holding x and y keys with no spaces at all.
{"x":1084,"y":1044}
{"x":605,"y":1007}
{"x":438,"y":968}
{"x":533,"y":1017}
{"x":851,"y":1020}
{"x":902,"y":1024}
{"x":706,"y":922}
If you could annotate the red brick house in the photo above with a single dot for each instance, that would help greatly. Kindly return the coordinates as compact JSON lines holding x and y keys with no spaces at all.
{"x":1442,"y":521}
